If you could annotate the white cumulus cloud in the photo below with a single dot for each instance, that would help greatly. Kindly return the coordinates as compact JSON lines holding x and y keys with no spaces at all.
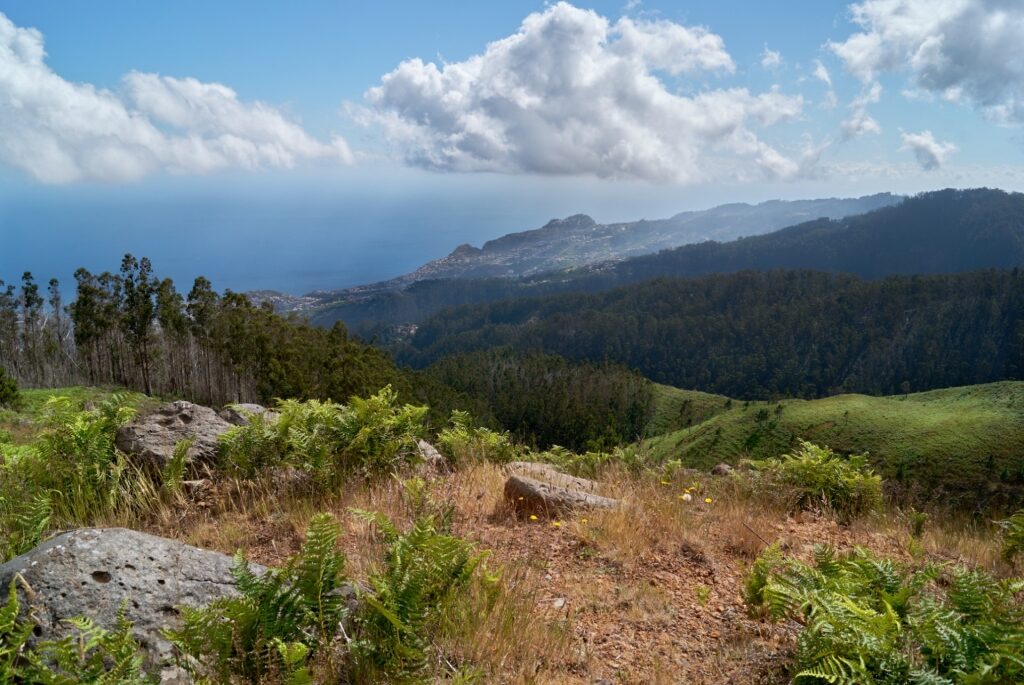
{"x":962,"y":50}
{"x":573,"y":93}
{"x":930,"y":153}
{"x":62,"y":132}
{"x":771,"y":59}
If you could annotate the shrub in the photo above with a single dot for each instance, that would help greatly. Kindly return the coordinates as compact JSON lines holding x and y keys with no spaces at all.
{"x":8,"y":390}
{"x":868,"y":620}
{"x":815,"y":477}
{"x":464,"y":444}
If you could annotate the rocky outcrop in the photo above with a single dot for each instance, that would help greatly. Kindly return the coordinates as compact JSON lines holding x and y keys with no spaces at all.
{"x":239,"y":414}
{"x":93,"y":572}
{"x":150,"y":439}
{"x":721,"y":470}
{"x":542,"y":490}
{"x":433,"y":462}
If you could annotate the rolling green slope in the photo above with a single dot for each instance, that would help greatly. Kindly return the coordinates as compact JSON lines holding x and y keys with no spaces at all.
{"x":966,"y":443}
{"x":675,"y":408}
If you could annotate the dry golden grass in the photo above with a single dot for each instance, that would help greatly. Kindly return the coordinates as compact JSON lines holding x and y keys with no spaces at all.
{"x":648,"y":593}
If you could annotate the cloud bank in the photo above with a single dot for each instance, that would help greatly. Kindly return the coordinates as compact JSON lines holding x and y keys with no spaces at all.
{"x":62,"y":132}
{"x":961,"y":50}
{"x":572,"y":93}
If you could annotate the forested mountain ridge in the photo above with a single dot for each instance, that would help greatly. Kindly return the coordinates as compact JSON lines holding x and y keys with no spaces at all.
{"x":758,"y":334}
{"x":578,"y":240}
{"x":944,"y":231}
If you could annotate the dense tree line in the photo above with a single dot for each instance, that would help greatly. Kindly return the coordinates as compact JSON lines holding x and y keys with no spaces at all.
{"x":134,"y":329}
{"x":759,"y":334}
{"x":946,"y":231}
{"x":546,"y":400}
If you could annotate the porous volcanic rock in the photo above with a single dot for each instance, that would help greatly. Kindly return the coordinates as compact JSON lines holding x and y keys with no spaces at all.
{"x":541,"y":489}
{"x":150,"y":439}
{"x":93,"y":571}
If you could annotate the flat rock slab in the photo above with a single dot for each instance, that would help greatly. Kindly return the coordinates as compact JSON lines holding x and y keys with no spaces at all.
{"x":92,"y":571}
{"x":542,"y":490}
{"x":150,"y":440}
{"x":549,"y":474}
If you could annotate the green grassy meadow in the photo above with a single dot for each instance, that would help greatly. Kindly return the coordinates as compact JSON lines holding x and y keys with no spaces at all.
{"x":967,"y":439}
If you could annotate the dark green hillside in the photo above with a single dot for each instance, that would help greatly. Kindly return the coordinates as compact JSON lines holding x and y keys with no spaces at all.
{"x":758,"y":335}
{"x":546,"y":400}
{"x":967,"y":442}
{"x":947,"y":231}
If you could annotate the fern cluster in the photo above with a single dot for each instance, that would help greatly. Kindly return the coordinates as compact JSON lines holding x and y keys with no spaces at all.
{"x":814,"y":477}
{"x":88,"y":655}
{"x":867,"y":620}
{"x":277,"y":615}
{"x":286,"y":624}
{"x":372,"y":435}
{"x":465,"y":444}
{"x":1013,"y":536}
{"x":423,"y":569}
{"x":70,"y":476}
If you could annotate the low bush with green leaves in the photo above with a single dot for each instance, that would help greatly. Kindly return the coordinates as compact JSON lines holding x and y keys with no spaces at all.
{"x":813,"y":477}
{"x":372,"y":435}
{"x":87,"y":655}
{"x":867,"y":620}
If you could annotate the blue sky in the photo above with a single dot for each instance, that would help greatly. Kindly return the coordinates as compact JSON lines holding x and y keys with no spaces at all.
{"x":319,"y":144}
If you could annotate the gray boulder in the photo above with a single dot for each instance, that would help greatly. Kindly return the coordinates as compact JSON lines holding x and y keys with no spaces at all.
{"x":150,"y":439}
{"x":239,"y":414}
{"x":92,"y":571}
{"x":433,"y":462}
{"x":542,"y":490}
{"x":721,"y":470}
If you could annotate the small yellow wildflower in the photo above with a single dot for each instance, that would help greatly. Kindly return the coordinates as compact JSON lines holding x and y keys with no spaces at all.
{"x":666,"y":482}
{"x":556,"y":524}
{"x":583,"y":521}
{"x":533,"y":517}
{"x":707,"y":500}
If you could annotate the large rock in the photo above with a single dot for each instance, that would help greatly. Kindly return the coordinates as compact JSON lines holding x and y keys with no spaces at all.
{"x":92,"y":571}
{"x":150,"y":439}
{"x":239,"y":414}
{"x":542,"y":490}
